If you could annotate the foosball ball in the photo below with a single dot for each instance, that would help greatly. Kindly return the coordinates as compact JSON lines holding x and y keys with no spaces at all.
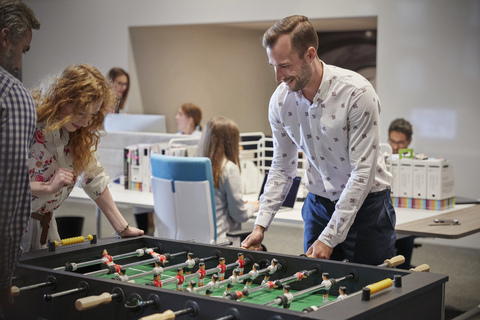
{"x":154,"y":278}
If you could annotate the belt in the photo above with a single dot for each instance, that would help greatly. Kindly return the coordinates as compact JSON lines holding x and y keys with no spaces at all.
{"x":44,"y":222}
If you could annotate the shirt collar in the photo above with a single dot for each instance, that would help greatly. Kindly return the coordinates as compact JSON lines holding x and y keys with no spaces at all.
{"x":322,"y":91}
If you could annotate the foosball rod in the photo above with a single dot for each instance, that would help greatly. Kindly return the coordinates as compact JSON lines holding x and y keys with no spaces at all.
{"x":366,"y":291}
{"x":208,"y":272}
{"x":213,"y":270}
{"x":395,"y":261}
{"x":51,"y":282}
{"x":111,"y":269}
{"x":180,"y":265}
{"x":83,"y":287}
{"x":72,"y":266}
{"x":280,"y":299}
{"x":159,"y":270}
{"x":269,"y":285}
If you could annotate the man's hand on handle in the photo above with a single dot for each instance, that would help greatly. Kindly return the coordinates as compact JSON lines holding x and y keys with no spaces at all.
{"x":319,"y":250}
{"x":254,"y":239}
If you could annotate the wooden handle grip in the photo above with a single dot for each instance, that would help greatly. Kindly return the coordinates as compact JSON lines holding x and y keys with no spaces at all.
{"x":422,"y":268}
{"x":167,"y":315}
{"x":395,"y":261}
{"x":15,"y":291}
{"x":92,"y":301}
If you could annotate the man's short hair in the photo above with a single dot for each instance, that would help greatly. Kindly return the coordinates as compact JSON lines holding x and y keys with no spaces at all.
{"x":303,"y":34}
{"x":18,"y":18}
{"x":401,"y":125}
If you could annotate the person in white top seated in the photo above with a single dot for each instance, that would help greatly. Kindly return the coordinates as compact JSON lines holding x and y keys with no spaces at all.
{"x":188,"y":119}
{"x":220,"y":143}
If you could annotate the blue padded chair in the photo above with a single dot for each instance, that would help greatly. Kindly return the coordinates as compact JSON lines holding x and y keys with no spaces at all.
{"x":184,"y":200}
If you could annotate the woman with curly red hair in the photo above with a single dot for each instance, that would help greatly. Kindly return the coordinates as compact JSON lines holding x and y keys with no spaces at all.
{"x":70,"y":113}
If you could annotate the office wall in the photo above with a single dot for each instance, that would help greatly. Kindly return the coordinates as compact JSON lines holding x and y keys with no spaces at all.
{"x":428,"y":59}
{"x":222,"y":69}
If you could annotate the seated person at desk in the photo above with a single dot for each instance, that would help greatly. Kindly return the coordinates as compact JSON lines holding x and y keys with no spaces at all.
{"x":70,"y":114}
{"x":188,"y":119}
{"x":220,"y":142}
{"x":399,"y":137}
{"x":121,"y":85}
{"x":399,"y":134}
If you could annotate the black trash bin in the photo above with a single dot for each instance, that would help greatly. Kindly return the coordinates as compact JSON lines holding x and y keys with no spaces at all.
{"x":69,"y":227}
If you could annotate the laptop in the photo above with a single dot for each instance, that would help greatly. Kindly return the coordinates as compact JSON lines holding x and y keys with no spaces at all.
{"x":289,"y":201}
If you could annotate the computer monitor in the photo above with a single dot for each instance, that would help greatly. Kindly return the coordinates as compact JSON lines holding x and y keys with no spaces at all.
{"x":292,"y":194}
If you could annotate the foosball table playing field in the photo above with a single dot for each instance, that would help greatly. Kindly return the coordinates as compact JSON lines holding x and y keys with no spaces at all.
{"x":154,"y":278}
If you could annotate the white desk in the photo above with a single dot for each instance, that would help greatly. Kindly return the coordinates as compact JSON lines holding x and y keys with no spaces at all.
{"x":409,"y":221}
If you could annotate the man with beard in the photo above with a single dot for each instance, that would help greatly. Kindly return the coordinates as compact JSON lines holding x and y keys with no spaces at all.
{"x":17,"y":125}
{"x":332,"y":116}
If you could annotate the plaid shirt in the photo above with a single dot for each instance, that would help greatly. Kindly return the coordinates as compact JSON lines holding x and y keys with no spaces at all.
{"x":17,"y":125}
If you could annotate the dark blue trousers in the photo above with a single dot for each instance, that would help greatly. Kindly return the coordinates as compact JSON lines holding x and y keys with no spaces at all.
{"x":371,"y":238}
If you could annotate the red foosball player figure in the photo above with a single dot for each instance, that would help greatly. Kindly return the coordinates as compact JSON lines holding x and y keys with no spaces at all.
{"x":191,"y":287}
{"x":288,"y":296}
{"x":106,"y":258}
{"x":161,"y":258}
{"x":327,"y":284}
{"x":156,"y":281}
{"x":271,"y":270}
{"x":180,"y":279}
{"x":221,"y":268}
{"x":121,"y":275}
{"x":342,"y":293}
{"x":201,"y":273}
{"x":190,"y":263}
{"x":228,"y":289}
{"x":212,"y":285}
{"x":241,"y":263}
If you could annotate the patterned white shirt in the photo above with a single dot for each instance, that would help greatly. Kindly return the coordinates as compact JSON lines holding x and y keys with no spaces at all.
{"x":339,"y":135}
{"x":17,"y":125}
{"x":48,"y":152}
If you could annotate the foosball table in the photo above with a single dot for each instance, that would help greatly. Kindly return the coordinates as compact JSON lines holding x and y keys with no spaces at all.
{"x":153,"y":278}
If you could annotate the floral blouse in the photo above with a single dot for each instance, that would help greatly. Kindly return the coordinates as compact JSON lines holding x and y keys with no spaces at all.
{"x":47,"y":153}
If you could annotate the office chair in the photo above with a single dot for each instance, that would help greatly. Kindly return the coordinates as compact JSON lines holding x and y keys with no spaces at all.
{"x":184,"y":199}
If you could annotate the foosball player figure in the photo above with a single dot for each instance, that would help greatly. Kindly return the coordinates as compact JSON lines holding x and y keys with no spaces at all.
{"x":228,"y":289}
{"x":190,"y":263}
{"x":327,"y":284}
{"x":221,"y":268}
{"x":271,"y":270}
{"x":241,"y":263}
{"x":180,"y":279}
{"x":158,"y":269}
{"x":342,"y":293}
{"x":191,"y":287}
{"x":106,"y":258}
{"x":201,"y":273}
{"x":160,"y":257}
{"x":288,"y":296}
{"x":252,"y":275}
{"x":121,"y":275}
{"x":234,"y":277}
{"x":156,"y":281}
{"x":212,"y":285}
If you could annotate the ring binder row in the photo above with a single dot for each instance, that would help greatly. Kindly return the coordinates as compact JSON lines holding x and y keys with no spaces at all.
{"x":422,"y":184}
